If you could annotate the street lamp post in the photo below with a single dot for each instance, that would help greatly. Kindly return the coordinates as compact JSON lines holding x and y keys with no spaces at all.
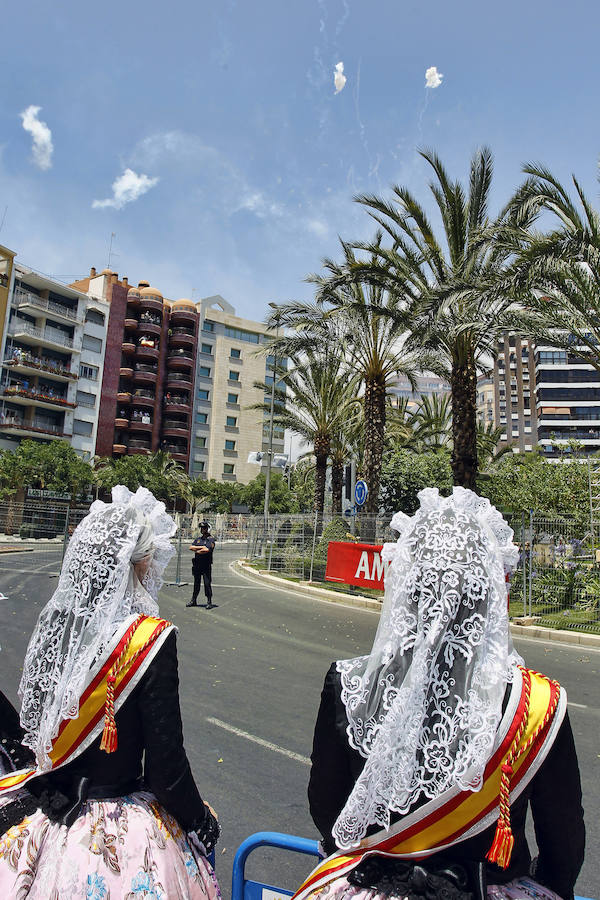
{"x":271,"y":415}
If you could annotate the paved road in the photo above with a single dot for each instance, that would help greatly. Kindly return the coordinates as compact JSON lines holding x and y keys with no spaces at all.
{"x":251,"y":673}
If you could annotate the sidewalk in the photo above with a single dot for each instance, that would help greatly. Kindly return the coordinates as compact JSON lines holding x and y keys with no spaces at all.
{"x":304,"y":589}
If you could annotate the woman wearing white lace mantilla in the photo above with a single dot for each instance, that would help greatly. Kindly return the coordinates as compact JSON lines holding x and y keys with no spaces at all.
{"x":428,"y":751}
{"x":115,"y":809}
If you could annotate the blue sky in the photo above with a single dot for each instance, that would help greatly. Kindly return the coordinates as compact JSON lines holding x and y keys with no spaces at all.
{"x":229,"y":111}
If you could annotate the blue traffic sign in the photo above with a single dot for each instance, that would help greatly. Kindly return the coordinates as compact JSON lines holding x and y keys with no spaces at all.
{"x":360,"y":492}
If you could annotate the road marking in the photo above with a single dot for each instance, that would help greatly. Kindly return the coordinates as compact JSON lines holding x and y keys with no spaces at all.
{"x":577,"y":705}
{"x":260,"y":741}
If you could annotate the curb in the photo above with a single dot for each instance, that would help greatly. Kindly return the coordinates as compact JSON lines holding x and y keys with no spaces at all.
{"x":16,"y":549}
{"x":582,"y":639}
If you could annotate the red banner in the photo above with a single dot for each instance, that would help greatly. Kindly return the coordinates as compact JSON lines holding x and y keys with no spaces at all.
{"x":359,"y":564}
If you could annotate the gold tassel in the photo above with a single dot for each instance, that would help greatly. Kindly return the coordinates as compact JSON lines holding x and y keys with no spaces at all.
{"x":501,"y":850}
{"x":109,"y":734}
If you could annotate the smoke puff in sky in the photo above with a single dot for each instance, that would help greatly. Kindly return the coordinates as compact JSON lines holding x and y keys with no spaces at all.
{"x":339,"y":79}
{"x":126,"y":188}
{"x":433,"y":78}
{"x":42,"y":137}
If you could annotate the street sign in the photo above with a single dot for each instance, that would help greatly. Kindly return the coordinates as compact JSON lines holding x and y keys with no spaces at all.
{"x":360,"y":492}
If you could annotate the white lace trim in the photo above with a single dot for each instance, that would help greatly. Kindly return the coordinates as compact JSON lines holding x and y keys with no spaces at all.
{"x":424,"y":706}
{"x":97,"y":591}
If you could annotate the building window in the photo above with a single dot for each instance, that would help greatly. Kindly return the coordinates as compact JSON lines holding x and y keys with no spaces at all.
{"x":235,"y":353}
{"x":202,"y":418}
{"x":200,"y":466}
{"x":232,"y":398}
{"x":204,"y":372}
{"x":81,"y":427}
{"x":233,"y":375}
{"x":95,"y":317}
{"x":206,"y":348}
{"x":249,"y":336}
{"x":207,"y":325}
{"x":91,"y":343}
{"x":231,"y":421}
{"x":90,"y":372}
{"x":84,"y":398}
{"x":200,"y":442}
{"x":230,"y":445}
{"x":202,"y":394}
{"x":228,"y":469}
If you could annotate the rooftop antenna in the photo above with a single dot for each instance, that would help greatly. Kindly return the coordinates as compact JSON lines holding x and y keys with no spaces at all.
{"x":111,"y":252}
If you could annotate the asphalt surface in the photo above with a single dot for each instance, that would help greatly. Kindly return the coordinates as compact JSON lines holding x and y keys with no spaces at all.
{"x":251,"y":672}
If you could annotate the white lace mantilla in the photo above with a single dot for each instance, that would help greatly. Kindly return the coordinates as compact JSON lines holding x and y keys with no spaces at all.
{"x":423,"y":707}
{"x":97,"y":591}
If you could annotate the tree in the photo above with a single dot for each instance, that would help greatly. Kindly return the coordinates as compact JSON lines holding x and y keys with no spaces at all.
{"x":281,"y":498}
{"x":405,"y":473}
{"x":167,"y":480}
{"x":447,"y":291}
{"x":53,"y":466}
{"x":349,"y":313}
{"x":315,"y":401}
{"x":559,"y":269}
{"x":302,"y":484}
{"x":216,"y":496}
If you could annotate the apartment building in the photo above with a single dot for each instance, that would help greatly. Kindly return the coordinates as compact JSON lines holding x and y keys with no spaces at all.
{"x":485,"y":399}
{"x":427,"y":385}
{"x":52,"y":358}
{"x":226,"y":429}
{"x":514,"y":392}
{"x":567,"y":400}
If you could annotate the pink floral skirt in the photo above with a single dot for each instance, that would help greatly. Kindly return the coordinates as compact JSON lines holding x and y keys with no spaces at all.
{"x":123,"y":849}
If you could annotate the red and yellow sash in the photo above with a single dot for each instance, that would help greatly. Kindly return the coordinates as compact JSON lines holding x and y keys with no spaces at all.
{"x":458,"y":815}
{"x":134,"y":646}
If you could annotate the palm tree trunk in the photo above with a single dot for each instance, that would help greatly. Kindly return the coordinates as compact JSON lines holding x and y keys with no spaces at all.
{"x":463,"y":383}
{"x":337,"y":481}
{"x":321,"y":451}
{"x":374,"y":407}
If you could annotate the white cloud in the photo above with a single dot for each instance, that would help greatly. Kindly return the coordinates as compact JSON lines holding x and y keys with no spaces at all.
{"x":339,"y":79}
{"x":318,"y":227}
{"x":126,"y":188}
{"x":433,"y":78}
{"x":42,"y":137}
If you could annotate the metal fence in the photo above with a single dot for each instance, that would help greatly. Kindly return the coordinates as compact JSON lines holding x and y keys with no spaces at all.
{"x":556,"y":583}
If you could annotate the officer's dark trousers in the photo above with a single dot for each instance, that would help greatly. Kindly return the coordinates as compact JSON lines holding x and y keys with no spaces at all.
{"x":206,"y":575}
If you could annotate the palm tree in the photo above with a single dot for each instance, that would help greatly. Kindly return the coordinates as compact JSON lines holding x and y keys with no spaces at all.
{"x":559,"y":268}
{"x":445,"y":290}
{"x":349,"y":314}
{"x":314,"y":403}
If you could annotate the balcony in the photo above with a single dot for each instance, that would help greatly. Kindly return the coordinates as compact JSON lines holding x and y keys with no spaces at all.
{"x":121,"y":422}
{"x":33,"y":397}
{"x":124,"y":397}
{"x":143,"y":398}
{"x":28,"y":364}
{"x":176,"y":405}
{"x":126,"y":371}
{"x":179,"y":380}
{"x":118,"y":449}
{"x":34,"y":305}
{"x":184,"y":316}
{"x":130,"y":323}
{"x":140,"y":424}
{"x":139,"y":445}
{"x":145,"y":375}
{"x":182,"y":338}
{"x":173,"y":428}
{"x":40,"y":337}
{"x":143,"y":352}
{"x":180,"y":361}
{"x":128,"y":347}
{"x":177,"y":451}
{"x":149,"y":303}
{"x":17,"y":426}
{"x":145,"y":327}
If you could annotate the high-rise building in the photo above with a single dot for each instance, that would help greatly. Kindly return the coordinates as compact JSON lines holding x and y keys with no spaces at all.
{"x":52,"y":358}
{"x":485,"y":399}
{"x":226,"y":429}
{"x":427,"y":385}
{"x":514,"y":392}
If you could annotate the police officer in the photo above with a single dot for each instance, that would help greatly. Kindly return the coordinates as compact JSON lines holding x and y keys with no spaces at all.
{"x":203,"y":548}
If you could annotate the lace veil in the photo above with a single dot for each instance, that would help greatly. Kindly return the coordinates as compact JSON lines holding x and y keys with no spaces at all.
{"x":424,"y":706}
{"x":97,"y":591}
